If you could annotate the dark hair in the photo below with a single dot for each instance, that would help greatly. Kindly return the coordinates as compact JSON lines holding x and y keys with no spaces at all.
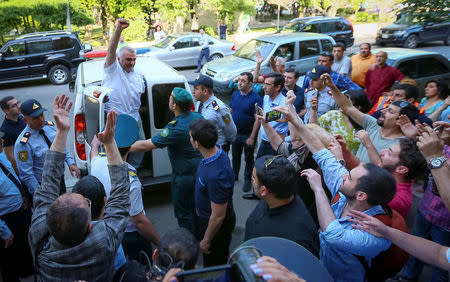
{"x":204,"y":132}
{"x":68,"y":223}
{"x":4,"y":102}
{"x":368,"y":44}
{"x":249,"y":75}
{"x":339,"y":44}
{"x":359,"y":98}
{"x":407,"y":109}
{"x":181,"y":245}
{"x":328,"y":54}
{"x":378,"y":184}
{"x":442,"y":88}
{"x":293,"y":70}
{"x":90,"y":187}
{"x":278,"y":78}
{"x":124,"y":150}
{"x":279,"y":176}
{"x":411,"y":158}
{"x":411,"y":91}
{"x":184,"y":106}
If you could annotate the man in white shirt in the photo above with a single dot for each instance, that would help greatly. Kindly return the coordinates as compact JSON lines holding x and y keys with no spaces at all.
{"x":204,"y":49}
{"x":342,"y":64}
{"x":127,"y":84}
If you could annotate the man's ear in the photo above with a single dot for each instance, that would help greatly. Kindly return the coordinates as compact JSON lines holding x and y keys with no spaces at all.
{"x":263,"y":191}
{"x":401,"y":169}
{"x":361,"y":196}
{"x":411,"y":100}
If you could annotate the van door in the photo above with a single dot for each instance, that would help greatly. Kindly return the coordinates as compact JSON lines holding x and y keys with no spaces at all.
{"x":159,"y":116}
{"x":13,"y":63}
{"x":309,"y":50}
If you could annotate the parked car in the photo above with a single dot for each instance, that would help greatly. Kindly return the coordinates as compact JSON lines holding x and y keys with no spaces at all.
{"x":182,"y":49}
{"x":409,"y":32}
{"x":422,"y":66}
{"x":54,"y":55}
{"x":89,"y":114}
{"x":339,"y":28}
{"x":305,"y":48}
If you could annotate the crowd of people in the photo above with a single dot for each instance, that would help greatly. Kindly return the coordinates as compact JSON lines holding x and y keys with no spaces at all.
{"x":334,"y":172}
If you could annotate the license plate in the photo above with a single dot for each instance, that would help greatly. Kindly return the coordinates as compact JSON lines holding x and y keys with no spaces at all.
{"x":385,"y":36}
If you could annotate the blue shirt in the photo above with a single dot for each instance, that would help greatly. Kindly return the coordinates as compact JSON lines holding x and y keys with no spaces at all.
{"x":214,"y":183}
{"x":12,"y":130}
{"x":222,"y":29}
{"x":256,"y":87}
{"x":268,"y":105}
{"x":30,"y":155}
{"x":341,"y":81}
{"x":10,"y":197}
{"x":444,"y":115}
{"x":325,"y":102}
{"x":339,"y":242}
{"x":243,"y":110}
{"x":299,"y":94}
{"x":204,"y":41}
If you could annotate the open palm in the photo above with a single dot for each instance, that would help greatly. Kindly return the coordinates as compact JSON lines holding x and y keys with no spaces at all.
{"x":61,"y":112}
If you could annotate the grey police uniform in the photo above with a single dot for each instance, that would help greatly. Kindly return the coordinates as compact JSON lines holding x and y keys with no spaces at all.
{"x":217,"y":111}
{"x":325,"y":102}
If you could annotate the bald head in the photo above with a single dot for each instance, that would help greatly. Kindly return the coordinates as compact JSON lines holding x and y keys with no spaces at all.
{"x":381,"y":58}
{"x":68,"y":219}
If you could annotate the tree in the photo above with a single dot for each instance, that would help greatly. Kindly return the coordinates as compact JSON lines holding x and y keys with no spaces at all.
{"x":426,"y":10}
{"x":173,"y":12}
{"x":226,"y":9}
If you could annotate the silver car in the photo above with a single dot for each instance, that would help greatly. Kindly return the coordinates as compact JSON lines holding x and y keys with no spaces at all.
{"x":304,"y":49}
{"x":182,"y":49}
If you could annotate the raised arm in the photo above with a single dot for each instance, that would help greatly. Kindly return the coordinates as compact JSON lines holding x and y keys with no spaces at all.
{"x":111,"y":55}
{"x":437,"y":113}
{"x":343,"y":102}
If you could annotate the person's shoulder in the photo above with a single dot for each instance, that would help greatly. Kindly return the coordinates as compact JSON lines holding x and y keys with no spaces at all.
{"x":23,"y":138}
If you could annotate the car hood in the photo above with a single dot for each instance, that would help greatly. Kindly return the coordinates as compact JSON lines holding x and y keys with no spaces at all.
{"x":231,"y":64}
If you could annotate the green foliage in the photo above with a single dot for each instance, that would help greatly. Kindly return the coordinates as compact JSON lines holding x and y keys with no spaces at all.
{"x":137,"y":29}
{"x":209,"y":30}
{"x":365,"y":17}
{"x":424,"y":11}
{"x":170,"y":9}
{"x":228,"y":8}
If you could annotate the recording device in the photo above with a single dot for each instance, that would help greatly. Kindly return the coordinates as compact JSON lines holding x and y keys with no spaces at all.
{"x":237,"y":269}
{"x":272,"y":116}
{"x":256,"y":108}
{"x":437,"y":128}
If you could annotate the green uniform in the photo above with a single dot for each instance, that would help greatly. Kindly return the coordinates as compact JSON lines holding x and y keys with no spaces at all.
{"x":185,"y":160}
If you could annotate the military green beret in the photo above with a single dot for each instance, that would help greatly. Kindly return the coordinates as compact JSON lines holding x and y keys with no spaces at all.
{"x":182,"y":95}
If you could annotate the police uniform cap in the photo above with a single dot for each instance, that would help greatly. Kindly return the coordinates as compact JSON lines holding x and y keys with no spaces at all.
{"x":181,"y":95}
{"x":32,"y":108}
{"x":203,"y":80}
{"x":127,"y":131}
{"x":317,"y":71}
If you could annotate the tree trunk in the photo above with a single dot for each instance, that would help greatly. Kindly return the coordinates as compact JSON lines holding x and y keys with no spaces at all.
{"x":34,"y":24}
{"x":240,"y":27}
{"x":104,"y":20}
{"x":88,"y":32}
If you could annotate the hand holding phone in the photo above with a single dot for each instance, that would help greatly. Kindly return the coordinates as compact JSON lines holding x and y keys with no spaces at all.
{"x":273,"y":116}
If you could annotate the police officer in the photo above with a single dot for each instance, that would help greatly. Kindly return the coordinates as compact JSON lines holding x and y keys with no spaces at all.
{"x":212,"y":108}
{"x":33,"y":143}
{"x":184,"y":158}
{"x":320,"y":93}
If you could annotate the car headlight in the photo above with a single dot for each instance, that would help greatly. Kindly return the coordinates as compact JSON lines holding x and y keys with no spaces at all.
{"x":379,"y":32}
{"x":224,"y":76}
{"x":399,"y":33}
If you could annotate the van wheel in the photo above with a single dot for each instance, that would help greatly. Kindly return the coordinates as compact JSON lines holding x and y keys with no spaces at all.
{"x":58,"y":74}
{"x":411,"y":42}
{"x":447,"y":41}
{"x":216,"y":56}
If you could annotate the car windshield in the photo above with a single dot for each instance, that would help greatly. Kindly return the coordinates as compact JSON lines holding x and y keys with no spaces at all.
{"x":406,"y":19}
{"x":248,"y":51}
{"x":166,"y":42}
{"x":292,"y":27}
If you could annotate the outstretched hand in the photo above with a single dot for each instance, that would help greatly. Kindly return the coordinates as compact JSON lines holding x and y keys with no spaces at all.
{"x":328,"y":81}
{"x":314,"y":179}
{"x":408,"y":129}
{"x":61,"y":112}
{"x":107,"y":136}
{"x":271,"y":270}
{"x":366,"y":223}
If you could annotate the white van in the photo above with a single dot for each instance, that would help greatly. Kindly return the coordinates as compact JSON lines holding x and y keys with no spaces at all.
{"x":89,"y":115}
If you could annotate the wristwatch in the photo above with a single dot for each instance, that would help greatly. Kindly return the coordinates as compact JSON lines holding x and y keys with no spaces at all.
{"x":342,"y":162}
{"x":436,"y":162}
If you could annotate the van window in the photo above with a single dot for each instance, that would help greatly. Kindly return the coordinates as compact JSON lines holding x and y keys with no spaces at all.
{"x":161,"y":94}
{"x":327,"y":46}
{"x":286,"y":52}
{"x":182,"y":43}
{"x":431,"y":66}
{"x":327,"y":27}
{"x":309,"y":48}
{"x":62,"y":43}
{"x":410,"y":68}
{"x":39,"y":46}
{"x":311,"y":28}
{"x":15,"y":50}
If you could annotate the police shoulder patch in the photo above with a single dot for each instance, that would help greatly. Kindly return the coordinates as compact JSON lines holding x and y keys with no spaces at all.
{"x":165,"y":132}
{"x":215,"y":105}
{"x":102,"y":154}
{"x":226,"y":118}
{"x":51,"y":123}
{"x":25,"y":138}
{"x":23,"y":156}
{"x":132,"y":172}
{"x":173,"y":122}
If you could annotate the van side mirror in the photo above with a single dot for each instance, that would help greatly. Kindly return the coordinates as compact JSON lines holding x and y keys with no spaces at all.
{"x":87,"y":47}
{"x":72,"y":86}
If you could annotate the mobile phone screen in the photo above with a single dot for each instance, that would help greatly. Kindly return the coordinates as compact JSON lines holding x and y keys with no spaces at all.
{"x":272,"y":116}
{"x":220,"y":273}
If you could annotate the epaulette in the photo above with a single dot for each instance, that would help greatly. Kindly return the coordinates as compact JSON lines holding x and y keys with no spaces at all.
{"x":51,"y":123}
{"x":173,"y":122}
{"x":132,"y":172}
{"x":215,"y":105}
{"x":25,"y":138}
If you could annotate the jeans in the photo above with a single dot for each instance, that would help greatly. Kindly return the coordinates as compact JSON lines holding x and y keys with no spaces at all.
{"x":203,"y":53}
{"x":237,"y":147}
{"x":425,"y":229}
{"x":135,"y":159}
{"x":265,"y":149}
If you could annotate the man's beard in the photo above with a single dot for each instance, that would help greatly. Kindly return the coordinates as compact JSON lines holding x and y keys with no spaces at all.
{"x":380,"y":121}
{"x":351,"y":196}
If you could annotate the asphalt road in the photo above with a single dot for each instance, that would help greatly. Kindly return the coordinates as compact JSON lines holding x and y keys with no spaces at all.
{"x":157,"y":202}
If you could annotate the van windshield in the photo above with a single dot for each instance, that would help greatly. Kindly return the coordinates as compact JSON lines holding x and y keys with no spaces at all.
{"x":406,"y":19}
{"x":165,"y":42}
{"x":293,"y":27}
{"x":248,"y":51}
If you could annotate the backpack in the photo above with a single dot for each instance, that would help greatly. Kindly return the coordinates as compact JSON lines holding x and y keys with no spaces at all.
{"x":389,"y":262}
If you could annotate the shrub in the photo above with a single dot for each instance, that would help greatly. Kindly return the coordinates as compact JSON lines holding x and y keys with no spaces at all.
{"x":209,"y":30}
{"x":137,"y":29}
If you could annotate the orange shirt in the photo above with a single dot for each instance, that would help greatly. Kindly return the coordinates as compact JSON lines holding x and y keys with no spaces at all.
{"x":360,"y":66}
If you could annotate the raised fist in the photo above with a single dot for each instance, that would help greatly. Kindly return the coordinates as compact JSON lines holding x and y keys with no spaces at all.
{"x":122,"y":23}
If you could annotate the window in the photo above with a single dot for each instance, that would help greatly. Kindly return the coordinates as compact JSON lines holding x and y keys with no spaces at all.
{"x":285,"y":51}
{"x":182,"y":43}
{"x":195,"y":41}
{"x":327,"y":46}
{"x":248,"y":51}
{"x":340,"y":26}
{"x":409,"y":68}
{"x":15,"y":50}
{"x":62,"y":43}
{"x":431,"y":66}
{"x":39,"y":46}
{"x":327,"y":27}
{"x":311,"y":28}
{"x":309,"y":48}
{"x":161,"y":94}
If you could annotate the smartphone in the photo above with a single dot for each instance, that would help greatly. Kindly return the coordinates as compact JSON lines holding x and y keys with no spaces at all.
{"x":256,"y":108}
{"x":272,"y":116}
{"x":437,"y":128}
{"x":208,"y":274}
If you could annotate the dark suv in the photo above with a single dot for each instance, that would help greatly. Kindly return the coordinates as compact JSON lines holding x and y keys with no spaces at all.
{"x":55,"y":55}
{"x":339,"y":28}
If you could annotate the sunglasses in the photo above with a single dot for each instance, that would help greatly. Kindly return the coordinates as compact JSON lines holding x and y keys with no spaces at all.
{"x":270,"y":161}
